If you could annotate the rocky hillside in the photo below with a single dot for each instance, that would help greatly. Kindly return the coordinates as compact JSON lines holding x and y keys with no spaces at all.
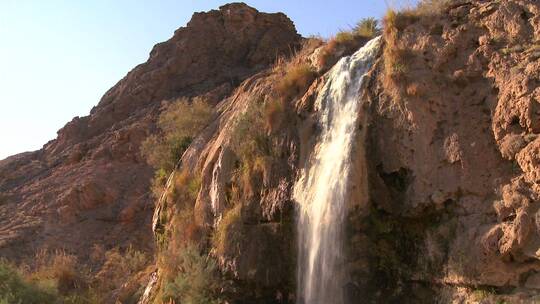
{"x":90,"y":186}
{"x":444,"y":197}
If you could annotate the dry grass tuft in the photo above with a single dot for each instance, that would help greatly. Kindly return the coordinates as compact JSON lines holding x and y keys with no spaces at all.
{"x":345,"y":42}
{"x":395,"y":55}
{"x":413,"y":89}
{"x":298,"y":76}
{"x":118,"y":266}
{"x":431,"y":7}
{"x":58,"y":270}
{"x":229,"y":232}
{"x":274,"y":114}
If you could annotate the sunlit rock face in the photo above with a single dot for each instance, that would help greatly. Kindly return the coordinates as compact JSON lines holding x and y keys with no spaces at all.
{"x":91,"y":180}
{"x":422,"y":189}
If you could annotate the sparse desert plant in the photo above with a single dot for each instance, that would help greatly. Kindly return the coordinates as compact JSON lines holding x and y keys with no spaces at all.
{"x":399,"y":20}
{"x":253,"y":146}
{"x":274,"y":114}
{"x":58,"y":270}
{"x":229,"y":232}
{"x":118,"y":266}
{"x":431,"y":7}
{"x":185,"y":118}
{"x":178,"y":216}
{"x":344,"y":37}
{"x":185,"y":188}
{"x":197,"y":281}
{"x":14,"y":289}
{"x":395,"y":55}
{"x":298,"y":76}
{"x":179,"y":124}
{"x":346,"y":42}
{"x":164,"y":152}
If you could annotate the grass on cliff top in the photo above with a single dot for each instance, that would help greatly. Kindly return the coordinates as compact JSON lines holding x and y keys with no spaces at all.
{"x":397,"y":55}
{"x":345,"y":42}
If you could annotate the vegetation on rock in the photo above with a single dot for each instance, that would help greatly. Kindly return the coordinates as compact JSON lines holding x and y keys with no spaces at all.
{"x":179,"y":123}
{"x":197,"y":279}
{"x":345,"y":42}
{"x":14,"y":289}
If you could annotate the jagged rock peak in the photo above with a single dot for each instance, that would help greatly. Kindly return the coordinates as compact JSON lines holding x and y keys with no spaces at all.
{"x":215,"y":48}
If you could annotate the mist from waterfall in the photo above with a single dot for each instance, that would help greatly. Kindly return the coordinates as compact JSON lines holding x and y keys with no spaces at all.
{"x":322,"y":186}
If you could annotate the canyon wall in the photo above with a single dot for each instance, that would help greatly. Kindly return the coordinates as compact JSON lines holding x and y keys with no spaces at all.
{"x":443,"y":199}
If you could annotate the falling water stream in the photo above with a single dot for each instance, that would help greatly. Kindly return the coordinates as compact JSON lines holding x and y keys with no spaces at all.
{"x":322,"y":186}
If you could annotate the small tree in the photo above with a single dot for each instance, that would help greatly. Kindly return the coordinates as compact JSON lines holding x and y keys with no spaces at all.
{"x":368,"y":28}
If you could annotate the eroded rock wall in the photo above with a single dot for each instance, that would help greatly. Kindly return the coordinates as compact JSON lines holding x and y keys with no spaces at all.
{"x":453,"y":181}
{"x":91,"y":185}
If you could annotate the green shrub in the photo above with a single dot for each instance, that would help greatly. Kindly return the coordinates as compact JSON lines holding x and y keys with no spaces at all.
{"x":119,"y":266}
{"x":368,"y":28}
{"x":179,"y":124}
{"x":253,"y":147}
{"x":185,"y":189}
{"x":59,"y":271}
{"x":249,"y":138}
{"x":184,"y":118}
{"x":164,"y":152}
{"x":15,"y":290}
{"x":198,"y":280}
{"x":229,"y":232}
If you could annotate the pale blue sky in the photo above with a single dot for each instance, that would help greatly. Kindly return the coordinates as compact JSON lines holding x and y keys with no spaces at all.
{"x":58,"y":57}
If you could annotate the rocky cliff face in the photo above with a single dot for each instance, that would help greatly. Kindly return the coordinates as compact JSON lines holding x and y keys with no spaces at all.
{"x":451,"y":149}
{"x":90,"y":185}
{"x":445,"y":176}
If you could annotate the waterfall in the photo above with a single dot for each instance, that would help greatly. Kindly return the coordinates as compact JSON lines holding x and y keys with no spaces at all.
{"x":322,"y":186}
{"x":215,"y":198}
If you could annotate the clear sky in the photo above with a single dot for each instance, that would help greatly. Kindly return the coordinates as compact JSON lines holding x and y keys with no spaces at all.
{"x":58,"y":57}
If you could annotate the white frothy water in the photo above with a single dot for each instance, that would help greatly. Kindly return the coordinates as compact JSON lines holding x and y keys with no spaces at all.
{"x":322,"y":186}
{"x":214,"y":186}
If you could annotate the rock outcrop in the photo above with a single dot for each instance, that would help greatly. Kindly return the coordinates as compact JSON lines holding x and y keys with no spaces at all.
{"x":90,"y":185}
{"x":454,"y":159}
